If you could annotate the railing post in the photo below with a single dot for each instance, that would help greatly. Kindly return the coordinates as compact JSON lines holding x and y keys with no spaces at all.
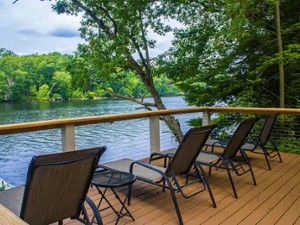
{"x":68,"y":137}
{"x":154,"y":134}
{"x":206,"y":118}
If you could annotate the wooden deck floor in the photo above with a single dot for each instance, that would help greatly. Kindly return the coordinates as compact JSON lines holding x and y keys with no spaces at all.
{"x":275,"y":200}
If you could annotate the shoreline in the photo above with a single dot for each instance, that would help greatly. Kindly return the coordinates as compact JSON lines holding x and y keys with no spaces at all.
{"x":82,"y":99}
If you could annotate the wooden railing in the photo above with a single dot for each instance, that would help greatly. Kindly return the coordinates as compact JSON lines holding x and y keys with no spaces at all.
{"x":67,"y":126}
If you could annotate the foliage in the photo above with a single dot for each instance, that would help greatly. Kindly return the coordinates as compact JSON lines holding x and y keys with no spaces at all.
{"x":43,"y":93}
{"x":56,"y":76}
{"x":21,"y":77}
{"x":228,"y":54}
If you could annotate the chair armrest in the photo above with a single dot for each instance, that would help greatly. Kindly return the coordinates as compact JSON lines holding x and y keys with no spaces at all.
{"x":157,"y":155}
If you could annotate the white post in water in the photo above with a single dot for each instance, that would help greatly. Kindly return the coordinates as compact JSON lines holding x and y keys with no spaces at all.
{"x":154,"y":134}
{"x":68,"y":137}
{"x":206,"y":118}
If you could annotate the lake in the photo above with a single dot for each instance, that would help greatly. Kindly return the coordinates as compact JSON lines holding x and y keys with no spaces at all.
{"x":123,"y":139}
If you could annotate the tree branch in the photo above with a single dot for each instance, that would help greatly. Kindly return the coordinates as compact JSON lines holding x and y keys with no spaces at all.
{"x":144,"y":40}
{"x":134,"y":65}
{"x":137,"y":47}
{"x":276,"y":96}
{"x":145,"y":104}
{"x":110,"y":18}
{"x":96,"y":19}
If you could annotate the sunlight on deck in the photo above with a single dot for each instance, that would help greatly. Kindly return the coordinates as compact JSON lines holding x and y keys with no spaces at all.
{"x":275,"y":200}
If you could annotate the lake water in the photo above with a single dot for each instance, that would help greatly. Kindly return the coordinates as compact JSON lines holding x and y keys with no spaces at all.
{"x":123,"y":139}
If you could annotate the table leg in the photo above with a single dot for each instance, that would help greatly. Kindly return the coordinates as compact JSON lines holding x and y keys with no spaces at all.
{"x":123,"y":204}
{"x":103,"y":197}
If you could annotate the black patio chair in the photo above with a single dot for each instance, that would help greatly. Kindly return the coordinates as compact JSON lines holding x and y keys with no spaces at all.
{"x":181,"y":165}
{"x":230,"y":159}
{"x":259,"y":144}
{"x":56,"y":188}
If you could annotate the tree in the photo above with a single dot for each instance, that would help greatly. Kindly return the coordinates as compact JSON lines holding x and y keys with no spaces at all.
{"x":22,"y":76}
{"x":62,"y":84}
{"x":229,"y":54}
{"x":43,"y":93}
{"x":117,"y":33}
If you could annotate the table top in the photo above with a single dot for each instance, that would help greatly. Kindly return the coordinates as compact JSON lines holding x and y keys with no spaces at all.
{"x":112,"y":178}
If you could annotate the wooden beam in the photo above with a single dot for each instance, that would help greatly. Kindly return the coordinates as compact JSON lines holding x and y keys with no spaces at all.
{"x":154,"y":129}
{"x":68,"y":137}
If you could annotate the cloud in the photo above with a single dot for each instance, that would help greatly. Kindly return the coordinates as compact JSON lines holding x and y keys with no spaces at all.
{"x":63,"y":32}
{"x":29,"y":32}
{"x":30,"y":27}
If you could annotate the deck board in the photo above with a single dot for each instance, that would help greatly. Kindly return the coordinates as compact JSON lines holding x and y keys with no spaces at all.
{"x":275,"y":200}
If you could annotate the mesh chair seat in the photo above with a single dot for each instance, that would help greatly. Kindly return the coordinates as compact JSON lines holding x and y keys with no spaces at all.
{"x":138,"y":170}
{"x":211,"y":142}
{"x":207,"y":158}
{"x":203,"y":157}
{"x":248,"y":146}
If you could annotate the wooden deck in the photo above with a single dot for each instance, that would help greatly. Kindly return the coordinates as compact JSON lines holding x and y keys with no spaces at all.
{"x":275,"y":200}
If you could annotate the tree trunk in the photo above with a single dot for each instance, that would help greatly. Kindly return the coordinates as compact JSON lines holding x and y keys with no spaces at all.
{"x":171,"y":122}
{"x":280,"y":50}
{"x":147,"y":79}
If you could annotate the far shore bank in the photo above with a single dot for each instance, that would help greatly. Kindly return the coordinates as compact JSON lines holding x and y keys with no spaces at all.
{"x":81,"y":99}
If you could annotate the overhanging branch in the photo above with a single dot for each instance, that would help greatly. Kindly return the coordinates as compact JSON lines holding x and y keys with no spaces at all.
{"x":145,"y":104}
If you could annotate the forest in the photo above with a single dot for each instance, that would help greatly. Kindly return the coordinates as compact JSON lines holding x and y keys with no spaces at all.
{"x":49,"y":77}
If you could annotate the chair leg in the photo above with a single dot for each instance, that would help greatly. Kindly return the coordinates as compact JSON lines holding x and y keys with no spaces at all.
{"x":206,"y":183}
{"x":252,"y":174}
{"x":251,"y":170}
{"x":164,"y":184}
{"x":280,"y":159}
{"x":231,"y":181}
{"x":266,"y":156}
{"x":165,"y":161}
{"x":278,"y":153}
{"x":209,"y":171}
{"x":247,"y":161}
{"x":129,"y":194}
{"x":175,"y":201}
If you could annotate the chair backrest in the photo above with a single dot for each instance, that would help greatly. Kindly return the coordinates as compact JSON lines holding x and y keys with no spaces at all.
{"x":57,"y":185}
{"x":239,"y":137}
{"x":267,"y":129}
{"x":189,"y":149}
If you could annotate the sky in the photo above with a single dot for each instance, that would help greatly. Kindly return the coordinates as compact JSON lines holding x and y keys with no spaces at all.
{"x":30,"y":27}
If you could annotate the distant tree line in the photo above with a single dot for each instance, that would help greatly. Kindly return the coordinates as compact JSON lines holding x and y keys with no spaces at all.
{"x":56,"y":76}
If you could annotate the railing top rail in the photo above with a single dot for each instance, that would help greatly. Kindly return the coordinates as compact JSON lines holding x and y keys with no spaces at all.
{"x":285,"y":111}
{"x":58,"y":123}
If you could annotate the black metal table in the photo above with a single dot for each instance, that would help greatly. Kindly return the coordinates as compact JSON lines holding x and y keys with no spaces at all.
{"x":111,"y":179}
